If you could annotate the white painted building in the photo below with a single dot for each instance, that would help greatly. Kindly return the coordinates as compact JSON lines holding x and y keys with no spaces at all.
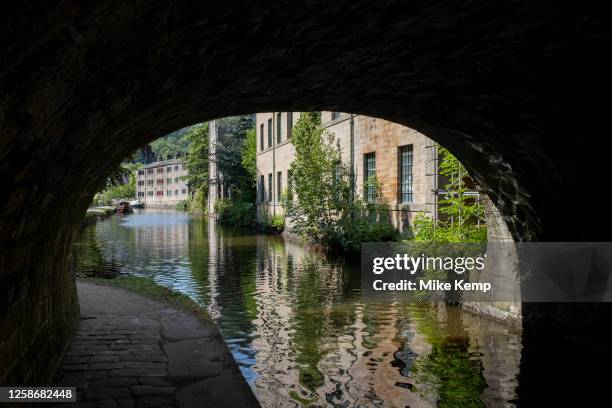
{"x":162,"y":184}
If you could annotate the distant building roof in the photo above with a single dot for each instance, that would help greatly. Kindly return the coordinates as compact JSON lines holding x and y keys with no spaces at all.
{"x":163,"y":163}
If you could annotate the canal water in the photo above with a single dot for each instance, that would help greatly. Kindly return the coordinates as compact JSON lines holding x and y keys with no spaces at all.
{"x":296,"y":323}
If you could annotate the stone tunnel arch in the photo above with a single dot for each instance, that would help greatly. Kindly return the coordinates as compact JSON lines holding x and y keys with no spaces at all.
{"x":511,"y":87}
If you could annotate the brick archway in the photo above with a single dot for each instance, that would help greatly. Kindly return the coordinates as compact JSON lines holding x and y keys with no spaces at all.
{"x":511,"y":87}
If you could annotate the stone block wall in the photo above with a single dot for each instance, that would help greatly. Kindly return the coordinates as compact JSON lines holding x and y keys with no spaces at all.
{"x":501,"y":268}
{"x":39,"y":314}
{"x":273,"y":160}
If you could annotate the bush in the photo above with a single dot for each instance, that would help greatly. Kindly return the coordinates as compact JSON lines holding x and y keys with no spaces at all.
{"x":276,"y":223}
{"x":349,"y":236}
{"x":237,"y":213}
{"x":196,"y":204}
{"x":183,"y":205}
{"x":425,"y":231}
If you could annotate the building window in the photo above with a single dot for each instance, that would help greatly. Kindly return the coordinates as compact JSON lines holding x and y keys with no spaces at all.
{"x":141,"y":194}
{"x":169,"y":169}
{"x":160,"y":181}
{"x":150,"y":182}
{"x":262,"y":189}
{"x":270,"y":196}
{"x":289,"y":124}
{"x":176,"y":179}
{"x":369,"y":172}
{"x":169,"y":192}
{"x":160,"y":170}
{"x":176,"y":168}
{"x":269,"y":132}
{"x":150,"y":171}
{"x":175,"y":192}
{"x":184,"y":191}
{"x":261,"y":136}
{"x":141,"y":182}
{"x":168,"y":181}
{"x":140,"y":172}
{"x":279,"y":129}
{"x":149,"y":193}
{"x":336,"y":115}
{"x":405,"y":174}
{"x":159,"y":193}
{"x":279,"y":186}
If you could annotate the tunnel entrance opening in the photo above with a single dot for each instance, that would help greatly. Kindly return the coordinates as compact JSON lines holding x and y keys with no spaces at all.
{"x":237,"y":288}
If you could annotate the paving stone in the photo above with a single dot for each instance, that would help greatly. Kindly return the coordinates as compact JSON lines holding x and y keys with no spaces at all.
{"x":146,"y":351}
{"x":96,"y":375}
{"x":138,"y":372}
{"x":104,"y":359}
{"x":159,"y":381}
{"x":105,"y":366}
{"x":196,"y":357}
{"x":113,"y":382}
{"x":153,"y":336}
{"x":145,"y":358}
{"x":106,"y":404}
{"x":107,"y":393}
{"x":141,"y":390}
{"x":221,"y":391}
{"x":111,"y":336}
{"x":80,"y":404}
{"x":74,"y":367}
{"x":154,"y":402}
{"x":180,"y":326}
{"x":126,"y":403}
{"x":146,"y":365}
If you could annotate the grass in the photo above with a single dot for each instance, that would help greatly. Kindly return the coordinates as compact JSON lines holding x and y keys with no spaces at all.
{"x":147,"y":287}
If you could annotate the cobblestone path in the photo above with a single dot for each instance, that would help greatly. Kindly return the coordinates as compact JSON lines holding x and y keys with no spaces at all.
{"x":131,"y":351}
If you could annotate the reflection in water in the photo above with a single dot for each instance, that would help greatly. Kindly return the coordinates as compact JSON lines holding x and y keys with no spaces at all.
{"x":296,"y":322}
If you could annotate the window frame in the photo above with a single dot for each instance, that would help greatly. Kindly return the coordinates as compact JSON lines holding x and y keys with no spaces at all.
{"x":279,"y":185}
{"x":262,"y":188}
{"x":289,"y":124}
{"x":279,"y":128}
{"x":369,"y":191}
{"x":270,"y":135}
{"x":405,"y":174}
{"x":261,"y":137}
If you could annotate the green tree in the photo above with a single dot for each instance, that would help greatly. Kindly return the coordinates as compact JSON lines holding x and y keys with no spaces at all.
{"x":461,"y":213}
{"x":319,"y":181}
{"x":197,"y":164}
{"x":172,"y":145}
{"x":249,"y":156}
{"x":231,"y":143}
{"x":120,"y":184}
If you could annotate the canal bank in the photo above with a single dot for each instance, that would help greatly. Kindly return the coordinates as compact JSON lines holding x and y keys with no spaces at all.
{"x":132,"y":350}
{"x":94,"y":214}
